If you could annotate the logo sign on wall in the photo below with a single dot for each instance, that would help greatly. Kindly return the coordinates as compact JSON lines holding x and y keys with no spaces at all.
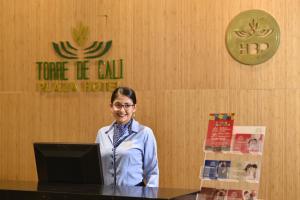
{"x":80,"y":67}
{"x":252,"y":37}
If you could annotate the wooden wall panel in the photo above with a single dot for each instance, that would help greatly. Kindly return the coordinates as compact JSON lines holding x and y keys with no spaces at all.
{"x":175,"y":57}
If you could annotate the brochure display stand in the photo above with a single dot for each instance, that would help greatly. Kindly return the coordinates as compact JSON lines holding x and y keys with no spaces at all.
{"x":232,"y":162}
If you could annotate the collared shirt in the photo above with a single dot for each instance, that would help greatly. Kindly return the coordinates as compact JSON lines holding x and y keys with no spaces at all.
{"x":134,"y":160}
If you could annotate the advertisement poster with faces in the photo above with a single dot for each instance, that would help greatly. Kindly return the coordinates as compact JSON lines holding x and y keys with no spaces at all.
{"x":223,"y":194}
{"x":216,"y":169}
{"x":248,"y":171}
{"x":248,"y":139}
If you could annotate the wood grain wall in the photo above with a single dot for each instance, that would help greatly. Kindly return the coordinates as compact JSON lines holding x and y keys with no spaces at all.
{"x":175,"y":58}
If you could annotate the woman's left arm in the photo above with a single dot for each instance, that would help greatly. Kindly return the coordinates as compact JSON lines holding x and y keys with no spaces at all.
{"x":151,"y":170}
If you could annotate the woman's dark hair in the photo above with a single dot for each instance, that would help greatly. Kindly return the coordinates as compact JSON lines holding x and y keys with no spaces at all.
{"x":250,"y":166}
{"x":123,"y":91}
{"x":219,"y":193}
{"x":252,"y":140}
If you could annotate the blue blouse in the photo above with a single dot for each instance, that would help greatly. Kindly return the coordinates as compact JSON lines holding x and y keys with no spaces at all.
{"x":134,"y":160}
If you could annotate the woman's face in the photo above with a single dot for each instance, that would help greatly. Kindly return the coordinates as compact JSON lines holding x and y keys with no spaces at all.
{"x":247,"y":196}
{"x":251,"y":172}
{"x":219,"y":196}
{"x":122,"y":109}
{"x":253,"y":145}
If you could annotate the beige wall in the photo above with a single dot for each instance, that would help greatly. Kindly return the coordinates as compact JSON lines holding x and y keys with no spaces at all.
{"x":176,"y":59}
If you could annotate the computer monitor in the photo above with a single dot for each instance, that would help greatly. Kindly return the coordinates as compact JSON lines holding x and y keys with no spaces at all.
{"x":68,"y":163}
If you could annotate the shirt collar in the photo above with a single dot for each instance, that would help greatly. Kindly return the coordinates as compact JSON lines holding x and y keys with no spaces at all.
{"x":134,"y":126}
{"x":111,"y":126}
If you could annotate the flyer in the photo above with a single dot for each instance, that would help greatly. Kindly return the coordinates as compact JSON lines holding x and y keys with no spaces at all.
{"x":248,"y":171}
{"x":219,"y":132}
{"x":248,"y":139}
{"x":206,"y":193}
{"x":212,"y":194}
{"x":216,"y":169}
{"x":235,"y":195}
{"x":210,"y":169}
{"x":251,"y":171}
{"x":224,"y":194}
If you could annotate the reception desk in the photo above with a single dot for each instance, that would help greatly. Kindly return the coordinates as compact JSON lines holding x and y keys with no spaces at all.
{"x":16,"y":190}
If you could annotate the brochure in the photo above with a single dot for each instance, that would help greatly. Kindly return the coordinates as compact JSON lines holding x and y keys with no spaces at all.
{"x":212,"y":194}
{"x":223,"y":194}
{"x":248,"y":139}
{"x":251,"y":171}
{"x":234,"y":195}
{"x":216,"y":169}
{"x":248,"y":171}
{"x":210,"y":169}
{"x":219,"y":132}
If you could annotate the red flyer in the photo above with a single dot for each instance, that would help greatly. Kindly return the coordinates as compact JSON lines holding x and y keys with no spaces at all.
{"x":212,"y":194}
{"x":248,"y":139}
{"x":219,"y":133}
{"x":234,"y":195}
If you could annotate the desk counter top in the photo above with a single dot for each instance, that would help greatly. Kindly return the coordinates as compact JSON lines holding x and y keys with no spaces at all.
{"x":10,"y":190}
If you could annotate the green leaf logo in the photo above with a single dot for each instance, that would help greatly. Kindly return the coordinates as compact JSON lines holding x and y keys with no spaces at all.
{"x":80,"y":34}
{"x":254,"y":31}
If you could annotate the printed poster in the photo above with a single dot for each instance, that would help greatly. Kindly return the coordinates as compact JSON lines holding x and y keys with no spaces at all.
{"x":216,"y":169}
{"x":248,"y":139}
{"x":248,"y":171}
{"x":235,"y":195}
{"x":219,"y":132}
{"x":223,"y":194}
{"x":212,"y":194}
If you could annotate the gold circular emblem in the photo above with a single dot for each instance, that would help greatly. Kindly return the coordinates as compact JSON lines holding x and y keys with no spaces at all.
{"x":252,"y":37}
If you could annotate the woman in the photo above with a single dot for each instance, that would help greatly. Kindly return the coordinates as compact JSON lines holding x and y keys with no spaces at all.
{"x":128,"y":149}
{"x":250,"y":171}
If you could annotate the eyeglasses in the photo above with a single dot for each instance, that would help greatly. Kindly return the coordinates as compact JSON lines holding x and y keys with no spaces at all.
{"x":119,"y":106}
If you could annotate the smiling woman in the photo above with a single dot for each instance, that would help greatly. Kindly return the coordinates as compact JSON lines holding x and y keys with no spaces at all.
{"x":128,"y":149}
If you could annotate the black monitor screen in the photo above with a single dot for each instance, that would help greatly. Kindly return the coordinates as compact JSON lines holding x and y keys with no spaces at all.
{"x":68,"y":163}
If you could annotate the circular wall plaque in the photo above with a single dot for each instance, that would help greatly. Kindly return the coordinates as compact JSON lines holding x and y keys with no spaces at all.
{"x":252,"y":37}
